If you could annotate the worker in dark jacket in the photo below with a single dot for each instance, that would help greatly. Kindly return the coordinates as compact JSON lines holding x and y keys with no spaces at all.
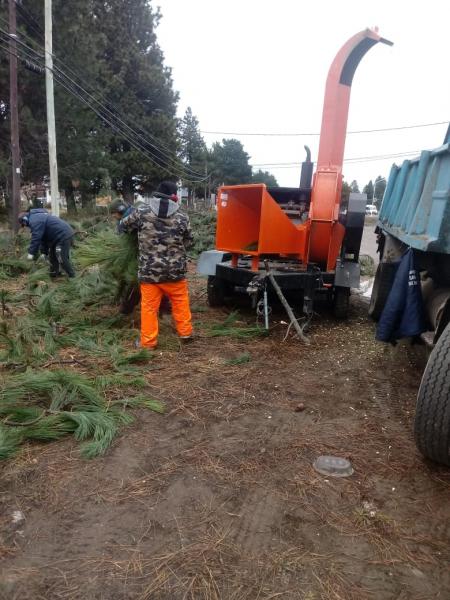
{"x":119,"y":210}
{"x":129,"y":294}
{"x":49,"y":234}
{"x":164,"y":234}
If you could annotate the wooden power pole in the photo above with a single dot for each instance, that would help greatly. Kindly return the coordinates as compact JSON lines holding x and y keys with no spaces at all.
{"x":14,"y":113}
{"x":54,"y":189}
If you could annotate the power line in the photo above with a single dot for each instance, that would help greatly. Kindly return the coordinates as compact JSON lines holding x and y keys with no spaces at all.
{"x":182,"y":170}
{"x":69,"y":84}
{"x":29,"y":49}
{"x":318,"y":134}
{"x":107,"y":101}
{"x":131,"y":136}
{"x":130,"y":140}
{"x":28,"y":17}
{"x":373,"y":158}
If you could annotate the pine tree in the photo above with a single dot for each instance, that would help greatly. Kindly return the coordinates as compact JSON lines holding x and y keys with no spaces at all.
{"x":354,"y":187}
{"x":379,"y":189}
{"x":368,"y":189}
{"x":264,"y":177}
{"x":192,"y":150}
{"x":136,"y":80}
{"x":112,"y":44}
{"x":230,"y":164}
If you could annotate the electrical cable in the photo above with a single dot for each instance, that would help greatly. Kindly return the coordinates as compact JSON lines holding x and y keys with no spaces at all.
{"x":351,"y":159}
{"x":318,"y":134}
{"x":183,"y":171}
{"x":248,"y":133}
{"x":108,"y":101}
{"x":132,"y":136}
{"x":28,"y":17}
{"x":140,"y":147}
{"x":60,"y":76}
{"x":129,"y":140}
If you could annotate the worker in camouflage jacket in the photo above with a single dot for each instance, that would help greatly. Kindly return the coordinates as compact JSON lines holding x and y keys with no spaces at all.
{"x":164,"y":235}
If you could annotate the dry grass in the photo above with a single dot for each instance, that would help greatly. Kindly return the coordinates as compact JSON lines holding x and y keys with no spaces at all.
{"x":231,"y":429}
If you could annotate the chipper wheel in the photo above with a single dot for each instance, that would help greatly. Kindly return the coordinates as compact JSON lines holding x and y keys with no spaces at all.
{"x":432,"y":421}
{"x":217,"y":290}
{"x":341,"y":302}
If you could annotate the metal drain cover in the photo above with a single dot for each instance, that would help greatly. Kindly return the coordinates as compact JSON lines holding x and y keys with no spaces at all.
{"x":334,"y":466}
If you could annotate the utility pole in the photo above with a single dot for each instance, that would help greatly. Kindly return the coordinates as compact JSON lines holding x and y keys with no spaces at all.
{"x":54,"y":189}
{"x":14,"y":112}
{"x":205,"y":187}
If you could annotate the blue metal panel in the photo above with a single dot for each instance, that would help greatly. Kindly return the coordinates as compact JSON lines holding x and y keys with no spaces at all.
{"x":416,"y":203}
{"x":416,"y":193}
{"x":387,"y":200}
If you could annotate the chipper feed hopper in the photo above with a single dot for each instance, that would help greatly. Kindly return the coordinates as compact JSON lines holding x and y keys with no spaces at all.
{"x":307,"y":239}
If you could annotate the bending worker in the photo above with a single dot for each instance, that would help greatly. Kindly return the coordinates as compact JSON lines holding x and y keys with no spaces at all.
{"x":47,"y":234}
{"x":164,"y":235}
{"x":120,"y":210}
{"x":129,"y":293}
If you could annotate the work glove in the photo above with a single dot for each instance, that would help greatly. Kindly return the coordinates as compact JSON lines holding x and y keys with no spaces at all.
{"x":30,"y":256}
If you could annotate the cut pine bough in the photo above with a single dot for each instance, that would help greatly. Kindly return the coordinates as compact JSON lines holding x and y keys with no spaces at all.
{"x":115,"y":254}
{"x":231,"y":327}
{"x":49,"y":405}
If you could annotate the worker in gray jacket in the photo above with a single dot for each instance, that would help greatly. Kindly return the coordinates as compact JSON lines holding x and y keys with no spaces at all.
{"x":49,"y":235}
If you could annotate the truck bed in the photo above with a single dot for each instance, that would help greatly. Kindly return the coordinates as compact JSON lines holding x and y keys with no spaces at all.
{"x":416,"y":204}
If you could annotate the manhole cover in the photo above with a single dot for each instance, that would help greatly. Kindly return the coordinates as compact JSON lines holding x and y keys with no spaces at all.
{"x":333,"y":466}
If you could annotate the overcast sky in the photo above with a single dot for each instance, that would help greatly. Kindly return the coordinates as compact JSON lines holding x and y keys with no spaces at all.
{"x":260,"y":66}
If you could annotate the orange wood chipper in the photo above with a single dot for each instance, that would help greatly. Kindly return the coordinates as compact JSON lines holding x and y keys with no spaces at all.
{"x":307,"y":236}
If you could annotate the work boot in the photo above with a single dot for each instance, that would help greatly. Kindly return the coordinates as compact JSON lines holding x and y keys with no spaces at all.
{"x":139,"y":346}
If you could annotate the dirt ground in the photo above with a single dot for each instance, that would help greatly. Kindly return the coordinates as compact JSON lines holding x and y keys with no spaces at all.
{"x":218,"y":499}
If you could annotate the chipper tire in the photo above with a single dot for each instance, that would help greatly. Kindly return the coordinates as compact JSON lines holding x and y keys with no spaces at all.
{"x":432,"y":420}
{"x":382,"y":284}
{"x":341,"y":302}
{"x":217,"y":291}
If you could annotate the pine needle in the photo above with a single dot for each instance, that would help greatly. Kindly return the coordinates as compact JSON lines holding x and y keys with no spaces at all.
{"x":46,"y":405}
{"x":143,"y":402}
{"x":119,"y":380}
{"x":142,"y":355}
{"x":10,"y":440}
{"x":58,"y":386}
{"x":240,"y":359}
{"x":116,"y":254}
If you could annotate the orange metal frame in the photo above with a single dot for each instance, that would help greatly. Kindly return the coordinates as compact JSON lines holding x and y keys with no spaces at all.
{"x":251,"y":222}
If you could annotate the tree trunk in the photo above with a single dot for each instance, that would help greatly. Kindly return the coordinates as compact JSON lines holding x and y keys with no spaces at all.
{"x":127,"y":189}
{"x":70,"y":199}
{"x":87,"y":200}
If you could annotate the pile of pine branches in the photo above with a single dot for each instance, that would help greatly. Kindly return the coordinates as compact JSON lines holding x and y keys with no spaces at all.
{"x":48,"y":405}
{"x":115,"y":255}
{"x":203,"y":225}
{"x":47,"y":324}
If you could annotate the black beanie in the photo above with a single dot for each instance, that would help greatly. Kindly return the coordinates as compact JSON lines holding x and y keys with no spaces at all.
{"x":168,"y":187}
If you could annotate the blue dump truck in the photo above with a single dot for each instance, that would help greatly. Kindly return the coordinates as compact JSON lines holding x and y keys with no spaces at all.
{"x":415,"y":214}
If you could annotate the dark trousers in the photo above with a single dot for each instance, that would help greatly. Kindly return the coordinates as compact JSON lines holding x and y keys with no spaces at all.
{"x":130,"y":298}
{"x":63,"y":259}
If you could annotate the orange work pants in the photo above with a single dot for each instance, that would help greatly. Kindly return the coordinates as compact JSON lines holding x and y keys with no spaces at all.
{"x":151,"y":296}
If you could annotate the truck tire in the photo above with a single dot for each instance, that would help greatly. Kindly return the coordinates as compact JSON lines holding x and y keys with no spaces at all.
{"x":432,"y":420}
{"x":341,"y":302}
{"x":382,"y":284}
{"x":217,"y":290}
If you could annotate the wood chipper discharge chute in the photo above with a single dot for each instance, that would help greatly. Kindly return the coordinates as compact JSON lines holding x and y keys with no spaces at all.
{"x":311,"y":244}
